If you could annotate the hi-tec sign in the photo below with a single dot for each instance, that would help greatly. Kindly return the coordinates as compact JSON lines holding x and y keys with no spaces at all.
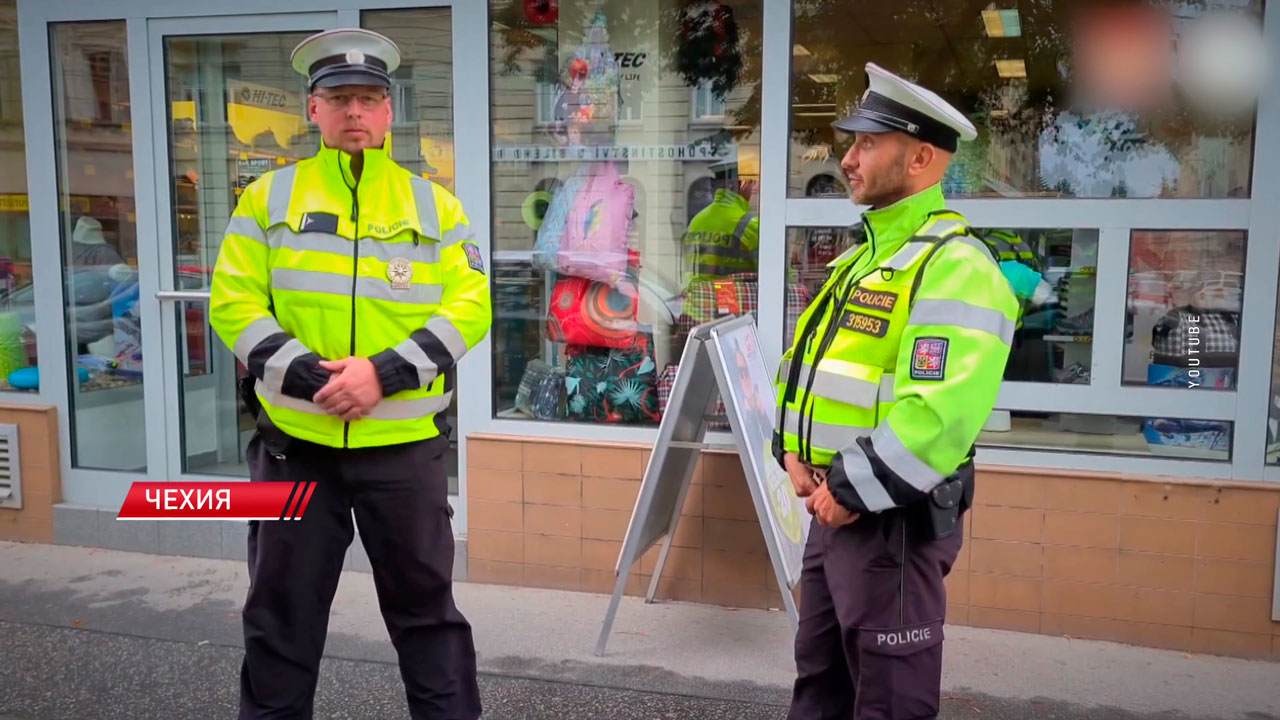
{"x":693,"y":152}
{"x":246,"y":93}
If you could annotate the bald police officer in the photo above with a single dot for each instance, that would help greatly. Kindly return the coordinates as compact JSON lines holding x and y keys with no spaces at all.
{"x":350,"y":289}
{"x":893,"y":372}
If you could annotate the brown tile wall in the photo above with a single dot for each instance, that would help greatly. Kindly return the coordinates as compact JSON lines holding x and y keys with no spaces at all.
{"x":1145,"y":561}
{"x":41,"y":487}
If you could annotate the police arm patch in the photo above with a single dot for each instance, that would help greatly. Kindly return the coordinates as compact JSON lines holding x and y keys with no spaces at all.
{"x":473,"y":257}
{"x":929,"y":359}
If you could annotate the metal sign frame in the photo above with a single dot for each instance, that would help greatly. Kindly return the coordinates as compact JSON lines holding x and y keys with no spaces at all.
{"x":703,"y":371}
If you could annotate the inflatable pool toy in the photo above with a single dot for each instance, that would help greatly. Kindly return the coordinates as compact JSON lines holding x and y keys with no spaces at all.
{"x":535,"y":208}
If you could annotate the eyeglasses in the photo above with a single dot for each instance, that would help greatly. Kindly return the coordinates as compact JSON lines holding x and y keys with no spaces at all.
{"x":340,"y":101}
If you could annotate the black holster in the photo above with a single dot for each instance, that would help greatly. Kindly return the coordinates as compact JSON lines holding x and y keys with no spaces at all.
{"x":943,"y":507}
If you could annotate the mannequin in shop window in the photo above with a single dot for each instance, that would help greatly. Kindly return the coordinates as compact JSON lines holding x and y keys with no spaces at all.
{"x":98,"y":270}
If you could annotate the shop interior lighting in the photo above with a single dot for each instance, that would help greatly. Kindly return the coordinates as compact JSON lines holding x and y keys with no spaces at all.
{"x":824,"y":78}
{"x":1002,"y":23}
{"x":1010,"y":69}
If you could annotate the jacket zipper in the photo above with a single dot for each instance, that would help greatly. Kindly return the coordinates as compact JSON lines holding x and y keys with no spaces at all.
{"x":355,"y":274}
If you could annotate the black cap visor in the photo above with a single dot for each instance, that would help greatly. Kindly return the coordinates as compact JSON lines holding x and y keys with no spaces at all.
{"x":861,"y":123}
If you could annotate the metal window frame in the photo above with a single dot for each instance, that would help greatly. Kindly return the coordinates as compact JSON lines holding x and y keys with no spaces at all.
{"x":471,"y":80}
{"x":1113,"y":218}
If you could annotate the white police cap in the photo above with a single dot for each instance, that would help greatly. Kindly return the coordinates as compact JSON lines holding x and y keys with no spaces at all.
{"x":346,"y":56}
{"x":893,"y":104}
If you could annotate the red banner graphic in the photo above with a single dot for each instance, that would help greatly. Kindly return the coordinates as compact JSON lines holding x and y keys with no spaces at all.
{"x":216,"y":501}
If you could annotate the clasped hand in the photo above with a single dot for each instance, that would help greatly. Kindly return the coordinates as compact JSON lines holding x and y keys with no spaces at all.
{"x":811,"y":483}
{"x":353,"y":389}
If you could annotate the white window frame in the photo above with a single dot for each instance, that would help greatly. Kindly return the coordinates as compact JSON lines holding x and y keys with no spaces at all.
{"x":1114,"y":219}
{"x":703,"y":90}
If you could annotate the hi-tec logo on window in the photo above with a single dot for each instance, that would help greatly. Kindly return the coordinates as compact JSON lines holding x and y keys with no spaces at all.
{"x":555,"y":153}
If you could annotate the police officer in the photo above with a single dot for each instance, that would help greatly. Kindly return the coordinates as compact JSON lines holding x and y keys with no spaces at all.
{"x":894,"y":369}
{"x":724,"y":237}
{"x":350,"y":289}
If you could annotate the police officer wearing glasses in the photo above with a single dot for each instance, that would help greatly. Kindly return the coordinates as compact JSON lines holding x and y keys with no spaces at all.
{"x":894,"y":370}
{"x":350,"y":288}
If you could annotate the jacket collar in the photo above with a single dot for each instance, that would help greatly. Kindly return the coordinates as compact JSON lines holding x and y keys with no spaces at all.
{"x":377,"y":161}
{"x":893,"y":225}
{"x":887,"y":229}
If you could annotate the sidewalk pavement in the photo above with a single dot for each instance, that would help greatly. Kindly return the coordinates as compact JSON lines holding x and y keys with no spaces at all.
{"x":676,"y":649}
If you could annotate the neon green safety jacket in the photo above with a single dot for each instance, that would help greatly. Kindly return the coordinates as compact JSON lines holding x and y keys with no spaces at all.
{"x":319,"y":265}
{"x":1008,"y":246}
{"x":722,"y":239}
{"x":893,"y":372}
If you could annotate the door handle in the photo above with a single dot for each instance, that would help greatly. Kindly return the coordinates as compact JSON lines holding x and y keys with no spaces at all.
{"x":183,"y":295}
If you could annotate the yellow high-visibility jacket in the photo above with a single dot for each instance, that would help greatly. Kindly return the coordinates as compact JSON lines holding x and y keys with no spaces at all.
{"x":317,"y":264}
{"x":893,"y":373}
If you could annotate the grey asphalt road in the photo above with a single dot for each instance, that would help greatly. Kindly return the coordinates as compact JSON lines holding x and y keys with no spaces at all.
{"x":58,"y":673}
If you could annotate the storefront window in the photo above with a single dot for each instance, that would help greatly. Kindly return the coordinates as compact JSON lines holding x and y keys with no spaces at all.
{"x":17,"y":292}
{"x":1053,"y":342}
{"x":1070,"y":99}
{"x":94,"y":144}
{"x":1171,"y":438}
{"x":421,"y":89}
{"x":625,"y":171}
{"x":1185,"y":294}
{"x":422,"y":110}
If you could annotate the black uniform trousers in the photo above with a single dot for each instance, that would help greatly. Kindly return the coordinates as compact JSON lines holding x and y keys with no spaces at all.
{"x":872,"y":606}
{"x":399,"y":495}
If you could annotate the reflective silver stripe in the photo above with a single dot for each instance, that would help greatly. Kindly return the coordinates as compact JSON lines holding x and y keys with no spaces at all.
{"x":425,"y":198}
{"x":887,"y":394}
{"x":258,"y":330}
{"x":958,"y":313}
{"x":841,"y":387}
{"x":850,"y":391}
{"x":743,"y":224}
{"x":448,"y":334}
{"x":278,"y":364}
{"x":847,"y":254}
{"x":908,"y":254}
{"x":282,"y":237}
{"x":863,"y":479}
{"x":280,"y":195}
{"x":983,"y":249}
{"x":414,"y":355}
{"x":415,"y":409}
{"x":823,"y":435}
{"x":246,"y":227}
{"x":943,"y":228}
{"x":366,"y":287}
{"x":456,"y":234}
{"x":902,"y":461}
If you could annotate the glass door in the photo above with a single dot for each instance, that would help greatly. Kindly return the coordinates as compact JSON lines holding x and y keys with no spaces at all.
{"x":227,"y":107}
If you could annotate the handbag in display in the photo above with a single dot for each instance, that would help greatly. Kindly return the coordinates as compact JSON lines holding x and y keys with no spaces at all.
{"x":594,"y":244}
{"x":613,"y":385}
{"x":541,"y":392}
{"x":588,"y":312}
